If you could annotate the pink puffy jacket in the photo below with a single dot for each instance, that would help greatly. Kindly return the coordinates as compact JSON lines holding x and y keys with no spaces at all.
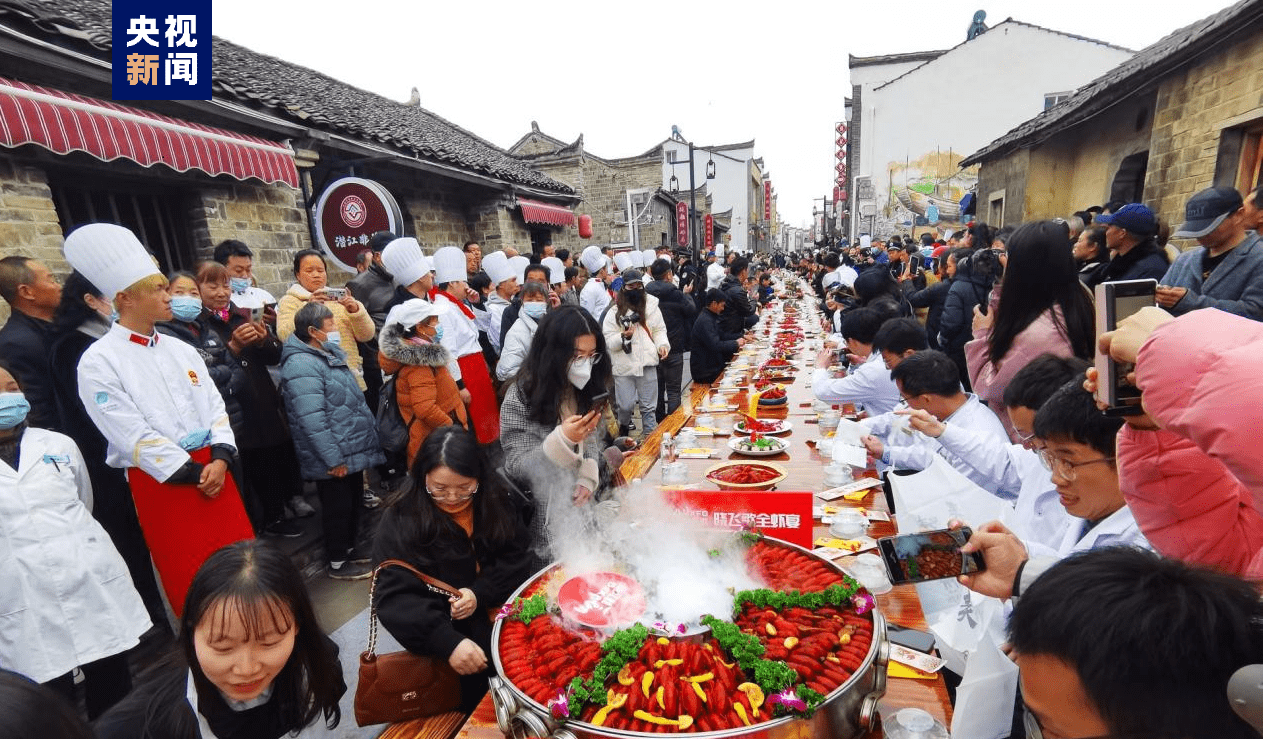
{"x":1196,"y":488}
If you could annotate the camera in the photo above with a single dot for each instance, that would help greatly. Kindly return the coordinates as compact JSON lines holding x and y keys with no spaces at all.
{"x":629,"y":319}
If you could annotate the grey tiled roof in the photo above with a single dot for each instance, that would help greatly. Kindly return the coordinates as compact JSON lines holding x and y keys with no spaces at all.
{"x":296,"y":93}
{"x":1141,"y":73}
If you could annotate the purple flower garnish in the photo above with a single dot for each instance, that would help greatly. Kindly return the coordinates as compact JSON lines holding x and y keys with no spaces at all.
{"x":788,"y":698}
{"x":863,"y":603}
{"x":508,"y":609}
{"x":559,"y":707}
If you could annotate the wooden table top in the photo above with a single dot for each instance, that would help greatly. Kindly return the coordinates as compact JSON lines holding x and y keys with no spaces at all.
{"x":804,"y":468}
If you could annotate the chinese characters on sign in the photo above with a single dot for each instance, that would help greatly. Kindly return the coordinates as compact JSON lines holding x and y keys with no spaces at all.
{"x":682,"y":223}
{"x":161,"y":50}
{"x":767,"y":200}
{"x":781,"y":514}
{"x":708,"y":235}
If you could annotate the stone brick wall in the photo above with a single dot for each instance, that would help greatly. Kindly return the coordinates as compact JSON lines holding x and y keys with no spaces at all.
{"x":1194,"y":107}
{"x":270,"y":219}
{"x":28,"y":220}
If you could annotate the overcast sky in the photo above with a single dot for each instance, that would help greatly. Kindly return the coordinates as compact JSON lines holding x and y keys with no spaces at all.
{"x":622,"y":73}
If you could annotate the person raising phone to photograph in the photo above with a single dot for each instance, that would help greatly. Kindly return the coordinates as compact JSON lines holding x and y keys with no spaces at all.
{"x":351,"y":320}
{"x":550,"y":422}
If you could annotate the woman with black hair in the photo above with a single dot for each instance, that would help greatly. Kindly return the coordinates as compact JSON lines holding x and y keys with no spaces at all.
{"x":253,"y":662}
{"x":30,"y":709}
{"x":351,"y":320}
{"x":549,"y":419}
{"x":878,"y":290}
{"x":453,"y":522}
{"x":83,"y":316}
{"x":1041,"y":308}
{"x":1091,"y":255}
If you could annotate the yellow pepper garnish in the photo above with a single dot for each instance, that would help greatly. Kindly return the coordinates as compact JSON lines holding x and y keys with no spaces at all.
{"x":662,"y":689}
{"x":663,"y":641}
{"x":625,"y":676}
{"x":645,"y":681}
{"x":791,"y":642}
{"x":699,"y":678}
{"x":697,"y":688}
{"x":613,"y":701}
{"x":664,"y":662}
{"x":683,"y":722}
{"x":741,"y":711}
{"x":771,"y":630}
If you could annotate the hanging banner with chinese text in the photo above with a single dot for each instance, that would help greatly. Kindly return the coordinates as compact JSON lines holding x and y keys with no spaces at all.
{"x":348,"y":213}
{"x":161,"y":50}
{"x":767,"y":200}
{"x":784,"y":515}
{"x":708,"y":222}
{"x":682,"y":223}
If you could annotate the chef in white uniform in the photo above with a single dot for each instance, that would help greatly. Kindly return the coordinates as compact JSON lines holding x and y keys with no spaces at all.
{"x":595,"y":297}
{"x":505,"y":285}
{"x":460,"y":337}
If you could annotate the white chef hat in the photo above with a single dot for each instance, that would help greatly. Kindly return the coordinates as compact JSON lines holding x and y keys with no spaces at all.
{"x":556,"y":270}
{"x":497,"y":267}
{"x":405,"y":261}
{"x":649,"y":255}
{"x":593,"y":260}
{"x":714,"y":275}
{"x":449,"y":265}
{"x":519,"y":264}
{"x":622,"y":260}
{"x":109,"y":256}
{"x":411,"y":312}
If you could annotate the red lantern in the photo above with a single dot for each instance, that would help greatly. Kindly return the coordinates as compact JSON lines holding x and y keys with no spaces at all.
{"x":585,"y":227}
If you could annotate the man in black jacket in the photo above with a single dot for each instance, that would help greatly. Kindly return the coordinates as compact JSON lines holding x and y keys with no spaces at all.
{"x":678,"y":312}
{"x":33,"y":294}
{"x":740,"y":313}
{"x":712,"y":347}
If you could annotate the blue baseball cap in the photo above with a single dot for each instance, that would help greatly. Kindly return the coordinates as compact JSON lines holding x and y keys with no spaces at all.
{"x":1133,"y":217}
{"x":1206,"y":210}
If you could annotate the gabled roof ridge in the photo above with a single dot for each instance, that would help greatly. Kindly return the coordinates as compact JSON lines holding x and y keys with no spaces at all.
{"x":989,"y":30}
{"x":1167,"y":53}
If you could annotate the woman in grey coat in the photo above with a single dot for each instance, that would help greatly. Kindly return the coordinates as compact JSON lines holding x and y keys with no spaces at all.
{"x":335,"y":434}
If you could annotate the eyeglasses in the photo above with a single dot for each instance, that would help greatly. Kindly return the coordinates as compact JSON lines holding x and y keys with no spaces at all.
{"x":1064,"y":467}
{"x":594,"y":356}
{"x":452,"y":495}
{"x":1024,"y":438}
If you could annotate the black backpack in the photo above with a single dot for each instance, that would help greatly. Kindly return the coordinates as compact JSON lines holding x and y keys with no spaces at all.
{"x":392,"y":432}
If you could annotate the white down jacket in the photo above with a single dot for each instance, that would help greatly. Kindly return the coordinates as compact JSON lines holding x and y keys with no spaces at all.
{"x":645,"y":341}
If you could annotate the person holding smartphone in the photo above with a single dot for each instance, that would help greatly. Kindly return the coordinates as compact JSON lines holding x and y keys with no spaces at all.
{"x":551,"y":418}
{"x":352,"y":322}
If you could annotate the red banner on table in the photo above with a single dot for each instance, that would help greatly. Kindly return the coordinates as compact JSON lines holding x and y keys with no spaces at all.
{"x":781,"y":514}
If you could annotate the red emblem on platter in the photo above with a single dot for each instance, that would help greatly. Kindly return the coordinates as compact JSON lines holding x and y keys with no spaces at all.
{"x":353,"y":211}
{"x":602,"y":600}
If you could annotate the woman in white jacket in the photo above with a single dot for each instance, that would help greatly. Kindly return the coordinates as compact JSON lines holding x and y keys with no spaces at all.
{"x":517,"y":342}
{"x":637,"y":340}
{"x":66,"y":599}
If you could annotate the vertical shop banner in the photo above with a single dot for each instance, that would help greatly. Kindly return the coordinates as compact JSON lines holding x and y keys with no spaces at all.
{"x":767,"y":200}
{"x":782,"y":515}
{"x":682,"y":223}
{"x":708,"y":222}
{"x":161,"y":50}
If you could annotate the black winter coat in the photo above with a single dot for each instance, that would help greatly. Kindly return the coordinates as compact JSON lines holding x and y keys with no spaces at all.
{"x":712,"y":347}
{"x":956,"y":325}
{"x":24,"y":344}
{"x":1147,"y":261}
{"x":739,"y":315}
{"x":933,"y":298}
{"x":678,"y":313}
{"x":264,"y":416}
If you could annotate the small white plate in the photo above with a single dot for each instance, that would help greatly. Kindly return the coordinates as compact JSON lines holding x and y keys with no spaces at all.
{"x":735,"y":444}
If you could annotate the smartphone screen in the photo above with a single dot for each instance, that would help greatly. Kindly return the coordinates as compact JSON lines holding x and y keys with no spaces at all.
{"x":335,"y":293}
{"x":928,"y":555}
{"x":600,"y":401}
{"x":1114,"y":302}
{"x":921,"y":641}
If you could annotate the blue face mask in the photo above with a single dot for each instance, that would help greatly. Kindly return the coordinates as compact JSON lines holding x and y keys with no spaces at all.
{"x":238,"y":285}
{"x":186,"y":307}
{"x":438,"y":333}
{"x":13,"y":410}
{"x":534,"y":310}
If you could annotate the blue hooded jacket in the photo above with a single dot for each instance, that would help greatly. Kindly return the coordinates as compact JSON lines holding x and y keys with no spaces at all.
{"x":328,"y":417}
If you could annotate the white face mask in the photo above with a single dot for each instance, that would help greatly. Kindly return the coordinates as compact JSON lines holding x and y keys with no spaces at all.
{"x":333,"y":337}
{"x":580,"y":372}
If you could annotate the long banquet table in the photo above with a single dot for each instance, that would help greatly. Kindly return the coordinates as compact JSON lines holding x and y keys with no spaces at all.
{"x":804,"y":468}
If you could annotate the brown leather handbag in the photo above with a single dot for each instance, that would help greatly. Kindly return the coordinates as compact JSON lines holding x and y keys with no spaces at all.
{"x":402,"y":686}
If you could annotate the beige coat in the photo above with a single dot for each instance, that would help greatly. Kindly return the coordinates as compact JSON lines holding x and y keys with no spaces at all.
{"x":645,"y":341}
{"x":353,"y":327}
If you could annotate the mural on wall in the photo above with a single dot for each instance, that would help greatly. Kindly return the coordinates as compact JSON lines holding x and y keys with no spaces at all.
{"x":927,"y":191}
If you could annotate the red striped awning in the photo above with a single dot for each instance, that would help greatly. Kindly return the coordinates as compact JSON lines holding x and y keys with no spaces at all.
{"x":535,"y":211}
{"x":63,"y":122}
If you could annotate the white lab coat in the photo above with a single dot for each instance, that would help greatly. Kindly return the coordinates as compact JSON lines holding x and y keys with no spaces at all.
{"x":496,"y":306}
{"x":918,"y":450}
{"x":868,"y":385}
{"x":66,"y":598}
{"x":594,"y":298}
{"x":146,"y":399}
{"x":1002,"y":468}
{"x":1117,"y":529}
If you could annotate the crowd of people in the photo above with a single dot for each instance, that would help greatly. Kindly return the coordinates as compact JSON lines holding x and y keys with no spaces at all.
{"x":159,"y":429}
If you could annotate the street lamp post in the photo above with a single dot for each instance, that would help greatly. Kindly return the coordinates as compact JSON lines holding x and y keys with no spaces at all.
{"x":710,"y":175}
{"x":824,"y":219}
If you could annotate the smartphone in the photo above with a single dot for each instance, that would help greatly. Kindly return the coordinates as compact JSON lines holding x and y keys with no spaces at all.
{"x":256,"y":314}
{"x":914,"y":264}
{"x":929,"y":555}
{"x":599,"y":402}
{"x":921,"y":641}
{"x":1114,"y":302}
{"x":335,"y":293}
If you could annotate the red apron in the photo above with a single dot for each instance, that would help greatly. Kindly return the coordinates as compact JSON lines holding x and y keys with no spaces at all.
{"x":183,"y":527}
{"x":483,"y":410}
